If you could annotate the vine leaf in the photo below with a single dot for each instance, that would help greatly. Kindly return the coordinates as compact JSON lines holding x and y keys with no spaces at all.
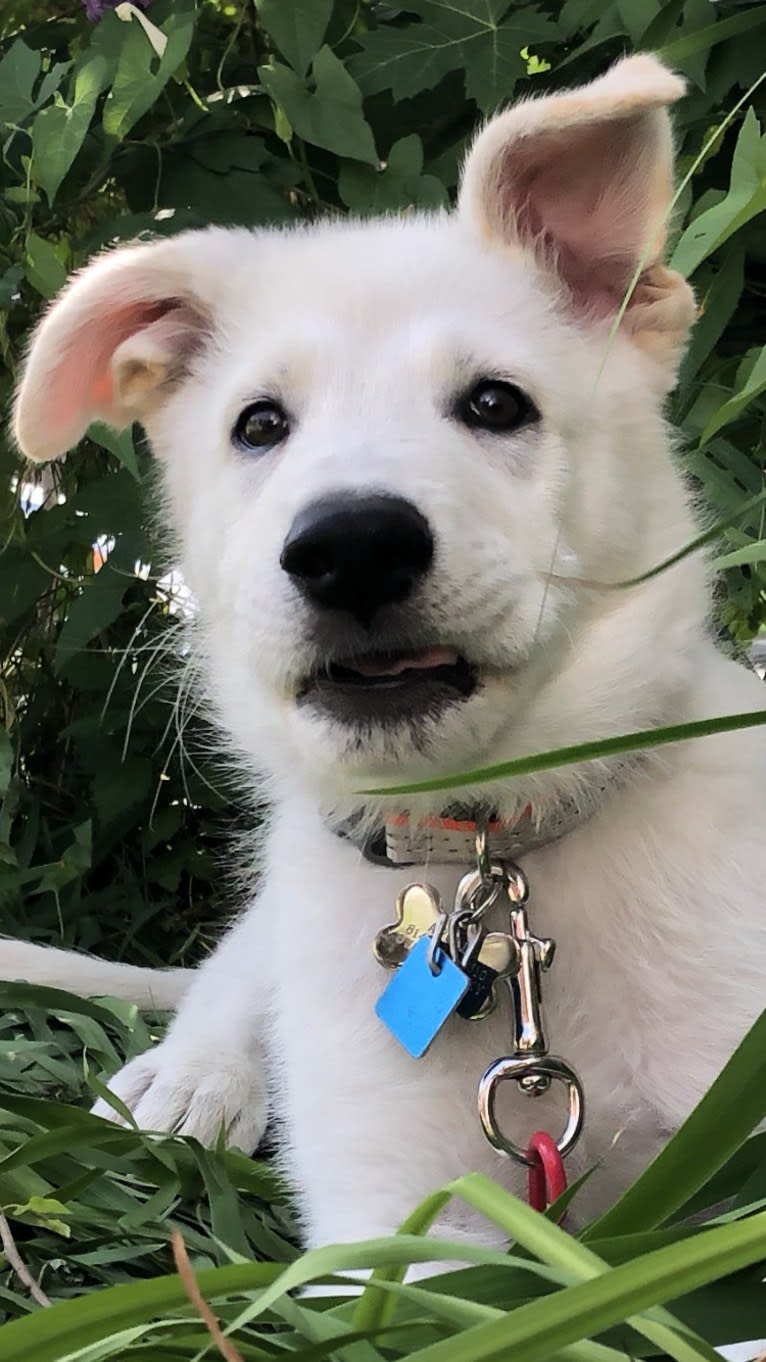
{"x":59,"y":131}
{"x":746,"y":197}
{"x":331,"y":115}
{"x":297,"y":28}
{"x":483,"y":38}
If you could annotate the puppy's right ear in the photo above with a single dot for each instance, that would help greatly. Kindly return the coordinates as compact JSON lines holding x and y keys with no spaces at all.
{"x":110,"y":344}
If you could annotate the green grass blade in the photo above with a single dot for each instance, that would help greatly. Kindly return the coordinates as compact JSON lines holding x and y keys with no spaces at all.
{"x":751,"y":553}
{"x":534,"y":1331}
{"x":554,"y":1246}
{"x":399,"y":1249}
{"x":705,"y":537}
{"x":584,"y":751}
{"x":719,"y":1124}
{"x":375,"y":1308}
{"x":50,"y":1335}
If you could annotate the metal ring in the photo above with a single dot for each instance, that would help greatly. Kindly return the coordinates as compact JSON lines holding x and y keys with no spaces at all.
{"x":479,"y":893}
{"x":548,"y":1066}
{"x":516,"y":884}
{"x":483,"y":859}
{"x":435,"y":947}
{"x":480,"y":906}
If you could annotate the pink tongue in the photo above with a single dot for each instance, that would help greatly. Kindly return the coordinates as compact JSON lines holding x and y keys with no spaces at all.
{"x":393,"y":666}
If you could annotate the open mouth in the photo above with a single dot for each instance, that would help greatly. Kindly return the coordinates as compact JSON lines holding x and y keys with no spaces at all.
{"x":391,"y":686}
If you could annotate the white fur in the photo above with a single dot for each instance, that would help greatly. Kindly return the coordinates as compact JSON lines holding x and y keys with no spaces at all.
{"x":149,"y":988}
{"x":368,"y":331}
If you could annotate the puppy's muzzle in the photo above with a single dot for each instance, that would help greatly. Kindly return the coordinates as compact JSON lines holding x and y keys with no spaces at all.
{"x":358,"y":553}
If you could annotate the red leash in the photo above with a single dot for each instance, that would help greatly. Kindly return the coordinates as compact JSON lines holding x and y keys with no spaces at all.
{"x":547,"y":1175}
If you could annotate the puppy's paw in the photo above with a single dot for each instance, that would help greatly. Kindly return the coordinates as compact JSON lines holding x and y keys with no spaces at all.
{"x":182,"y":1092}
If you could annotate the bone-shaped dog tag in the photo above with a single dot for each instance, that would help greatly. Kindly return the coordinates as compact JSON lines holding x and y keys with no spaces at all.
{"x":496,"y":958}
{"x":417,"y":911}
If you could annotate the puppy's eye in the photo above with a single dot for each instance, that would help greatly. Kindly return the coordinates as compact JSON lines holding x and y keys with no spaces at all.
{"x":494,"y":405}
{"x":261,"y":425}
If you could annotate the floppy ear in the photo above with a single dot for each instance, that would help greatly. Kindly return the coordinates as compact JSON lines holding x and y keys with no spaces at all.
{"x":583,"y":181}
{"x":109,"y":345}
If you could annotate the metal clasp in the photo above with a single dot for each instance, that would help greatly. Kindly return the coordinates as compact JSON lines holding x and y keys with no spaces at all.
{"x":528,"y":1073}
{"x":529,"y":1066}
{"x":536,"y":955}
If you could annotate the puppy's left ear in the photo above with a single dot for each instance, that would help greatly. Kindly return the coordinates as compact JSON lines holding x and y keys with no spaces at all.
{"x":583,"y":181}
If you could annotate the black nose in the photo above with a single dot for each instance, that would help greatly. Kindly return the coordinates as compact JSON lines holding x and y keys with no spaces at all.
{"x":358,"y":553}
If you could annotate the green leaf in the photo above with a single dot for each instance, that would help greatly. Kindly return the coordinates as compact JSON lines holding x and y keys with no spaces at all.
{"x":726,"y":472}
{"x":754,"y":385}
{"x":141,"y":75}
{"x":716,"y":1128}
{"x":6,"y":761}
{"x":59,"y":131}
{"x":717,"y":305}
{"x":331,"y":116}
{"x":43,"y":1210}
{"x":9,"y":284}
{"x":703,"y":39}
{"x":751,"y":553}
{"x":98,"y":604}
{"x":120,"y":443}
{"x":43,"y":266}
{"x":297,"y":28}
{"x":746,"y":198}
{"x":112,"y":503}
{"x":120,"y":785}
{"x":233,"y":176}
{"x":19,"y":70}
{"x":397,"y":185}
{"x":482,"y":38}
{"x":22,"y":583}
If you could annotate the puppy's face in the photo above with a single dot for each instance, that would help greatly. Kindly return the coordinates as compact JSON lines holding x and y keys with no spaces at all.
{"x":387,"y":446}
{"x":375,"y":465}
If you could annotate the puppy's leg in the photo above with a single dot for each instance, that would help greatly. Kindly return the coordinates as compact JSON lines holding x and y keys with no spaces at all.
{"x":208,"y":1073}
{"x":367,"y":1131}
{"x":92,"y":978}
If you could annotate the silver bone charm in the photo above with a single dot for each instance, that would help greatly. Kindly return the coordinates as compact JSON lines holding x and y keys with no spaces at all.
{"x":418,"y":909}
{"x":529,"y":1066}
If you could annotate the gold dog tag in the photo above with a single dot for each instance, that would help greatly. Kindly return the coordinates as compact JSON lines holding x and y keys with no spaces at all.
{"x":418,"y":909}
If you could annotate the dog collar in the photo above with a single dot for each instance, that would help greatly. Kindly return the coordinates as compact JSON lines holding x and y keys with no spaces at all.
{"x":450,"y":837}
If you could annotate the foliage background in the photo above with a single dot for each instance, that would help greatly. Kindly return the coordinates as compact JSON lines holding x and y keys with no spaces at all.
{"x":112,"y":819}
{"x":112,"y":822}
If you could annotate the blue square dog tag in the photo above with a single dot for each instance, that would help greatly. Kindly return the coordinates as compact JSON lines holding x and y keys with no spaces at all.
{"x":416,"y":1003}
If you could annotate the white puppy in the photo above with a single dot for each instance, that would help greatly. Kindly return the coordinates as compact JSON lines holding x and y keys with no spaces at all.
{"x":399,"y":457}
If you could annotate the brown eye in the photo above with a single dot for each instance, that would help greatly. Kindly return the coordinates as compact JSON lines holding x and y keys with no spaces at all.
{"x":261,"y":425}
{"x":494,"y":405}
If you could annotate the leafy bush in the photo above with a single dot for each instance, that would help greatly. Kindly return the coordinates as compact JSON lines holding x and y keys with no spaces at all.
{"x":112,"y":820}
{"x":112,"y":817}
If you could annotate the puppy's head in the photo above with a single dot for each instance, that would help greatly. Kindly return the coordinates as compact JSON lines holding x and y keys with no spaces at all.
{"x":387,"y":446}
